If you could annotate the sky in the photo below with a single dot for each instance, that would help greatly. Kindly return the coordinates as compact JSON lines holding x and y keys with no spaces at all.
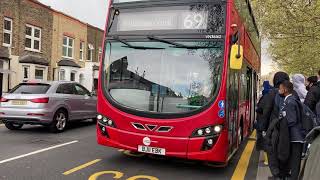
{"x":94,"y":13}
{"x":89,"y":11}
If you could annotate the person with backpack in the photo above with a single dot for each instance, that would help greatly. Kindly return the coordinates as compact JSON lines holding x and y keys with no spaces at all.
{"x":291,"y":112}
{"x":313,"y":96}
{"x":270,"y":114}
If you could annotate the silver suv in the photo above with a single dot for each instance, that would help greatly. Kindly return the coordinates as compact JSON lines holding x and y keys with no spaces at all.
{"x":51,"y":104}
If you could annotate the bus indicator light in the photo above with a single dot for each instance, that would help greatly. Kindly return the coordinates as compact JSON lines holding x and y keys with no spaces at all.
{"x":208,"y":130}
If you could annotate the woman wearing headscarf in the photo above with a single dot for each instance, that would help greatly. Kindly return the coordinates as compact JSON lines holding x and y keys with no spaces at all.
{"x":299,"y":86}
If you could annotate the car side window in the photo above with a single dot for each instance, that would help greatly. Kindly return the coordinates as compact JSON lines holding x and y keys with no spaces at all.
{"x":81,"y":90}
{"x":65,"y":89}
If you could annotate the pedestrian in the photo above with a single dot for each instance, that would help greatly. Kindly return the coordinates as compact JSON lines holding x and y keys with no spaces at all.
{"x":260,"y":144}
{"x":313,"y":96}
{"x":311,"y":81}
{"x":266,"y":88}
{"x":271,"y":109}
{"x":292,"y":113}
{"x":299,"y":86}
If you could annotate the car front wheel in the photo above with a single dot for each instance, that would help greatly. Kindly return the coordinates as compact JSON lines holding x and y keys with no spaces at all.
{"x":13,"y":126}
{"x":59,"y":122}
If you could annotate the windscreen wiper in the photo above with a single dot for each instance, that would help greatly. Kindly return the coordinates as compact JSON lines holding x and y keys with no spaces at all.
{"x":128,"y":45}
{"x":178,"y":45}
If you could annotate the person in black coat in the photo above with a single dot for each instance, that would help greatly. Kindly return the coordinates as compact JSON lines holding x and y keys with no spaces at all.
{"x":260,"y":143}
{"x":291,"y":112}
{"x":273,"y":101}
{"x":312,"y":80}
{"x":313,"y":96}
{"x":271,"y":109}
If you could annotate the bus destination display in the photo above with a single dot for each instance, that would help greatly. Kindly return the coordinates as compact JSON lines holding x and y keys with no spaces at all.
{"x":163,"y":20}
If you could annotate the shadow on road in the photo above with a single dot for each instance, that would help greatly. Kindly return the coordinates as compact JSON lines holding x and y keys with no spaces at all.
{"x":38,"y":129}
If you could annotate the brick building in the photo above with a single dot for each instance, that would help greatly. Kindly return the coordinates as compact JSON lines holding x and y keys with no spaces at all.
{"x":76,"y":48}
{"x":26,"y":29}
{"x":94,"y":52}
{"x":44,"y":44}
{"x":68,"y":47}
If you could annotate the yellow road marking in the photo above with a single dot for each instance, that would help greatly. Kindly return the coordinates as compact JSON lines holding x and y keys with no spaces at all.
{"x":242,"y":166}
{"x":81,"y":167}
{"x":117,"y":175}
{"x":142,"y":177}
{"x":1,"y":125}
{"x":121,"y":150}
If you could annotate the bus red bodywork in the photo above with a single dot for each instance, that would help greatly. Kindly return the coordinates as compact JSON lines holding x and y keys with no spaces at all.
{"x":178,"y":142}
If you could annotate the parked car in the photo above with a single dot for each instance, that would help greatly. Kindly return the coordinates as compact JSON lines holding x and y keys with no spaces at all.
{"x":52,"y":104}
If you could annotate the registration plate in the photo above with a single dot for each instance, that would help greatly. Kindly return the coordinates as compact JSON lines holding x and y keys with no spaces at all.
{"x":18,"y":102}
{"x":152,"y":150}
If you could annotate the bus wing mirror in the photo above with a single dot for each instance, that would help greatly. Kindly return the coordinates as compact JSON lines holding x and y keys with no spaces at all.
{"x":236,"y":57}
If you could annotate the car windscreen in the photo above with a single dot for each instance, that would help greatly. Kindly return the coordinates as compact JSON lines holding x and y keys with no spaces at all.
{"x":31,"y":89}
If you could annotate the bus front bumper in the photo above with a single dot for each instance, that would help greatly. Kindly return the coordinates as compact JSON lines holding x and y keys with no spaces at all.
{"x":187,"y":148}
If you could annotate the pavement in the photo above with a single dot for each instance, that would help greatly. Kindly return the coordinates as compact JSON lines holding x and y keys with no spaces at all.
{"x":34,"y":153}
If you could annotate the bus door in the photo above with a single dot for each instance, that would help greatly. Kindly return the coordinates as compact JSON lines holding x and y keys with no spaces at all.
{"x":249,"y":98}
{"x":232,"y":109}
{"x":254,"y":99}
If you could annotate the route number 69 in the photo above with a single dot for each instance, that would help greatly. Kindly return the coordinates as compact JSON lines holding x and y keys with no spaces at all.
{"x":118,"y":175}
{"x":194,"y":21}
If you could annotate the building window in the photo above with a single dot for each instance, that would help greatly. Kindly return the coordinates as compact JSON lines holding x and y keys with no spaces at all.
{"x":67,"y":47}
{"x":26,"y":72}
{"x":39,"y":73}
{"x":81,"y":50}
{"x":90,"y":52}
{"x":100,"y":53}
{"x":7,"y":32}
{"x":33,"y":38}
{"x":73,"y":76}
{"x":62,"y":75}
{"x":81,"y":79}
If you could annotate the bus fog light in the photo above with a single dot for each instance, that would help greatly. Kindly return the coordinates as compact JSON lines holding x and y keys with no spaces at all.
{"x":99,"y":117}
{"x":210,"y":142}
{"x":208,"y":130}
{"x":217,"y":129}
{"x":103,"y":129}
{"x":200,"y":132}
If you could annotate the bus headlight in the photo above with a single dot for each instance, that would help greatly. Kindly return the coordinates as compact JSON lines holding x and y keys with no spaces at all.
{"x":105,"y":121}
{"x":207,"y":131}
{"x":99,"y":117}
{"x":217,"y":129}
{"x":200,"y":132}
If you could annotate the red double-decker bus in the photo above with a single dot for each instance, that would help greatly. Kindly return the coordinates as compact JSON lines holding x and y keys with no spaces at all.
{"x":178,"y":77}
